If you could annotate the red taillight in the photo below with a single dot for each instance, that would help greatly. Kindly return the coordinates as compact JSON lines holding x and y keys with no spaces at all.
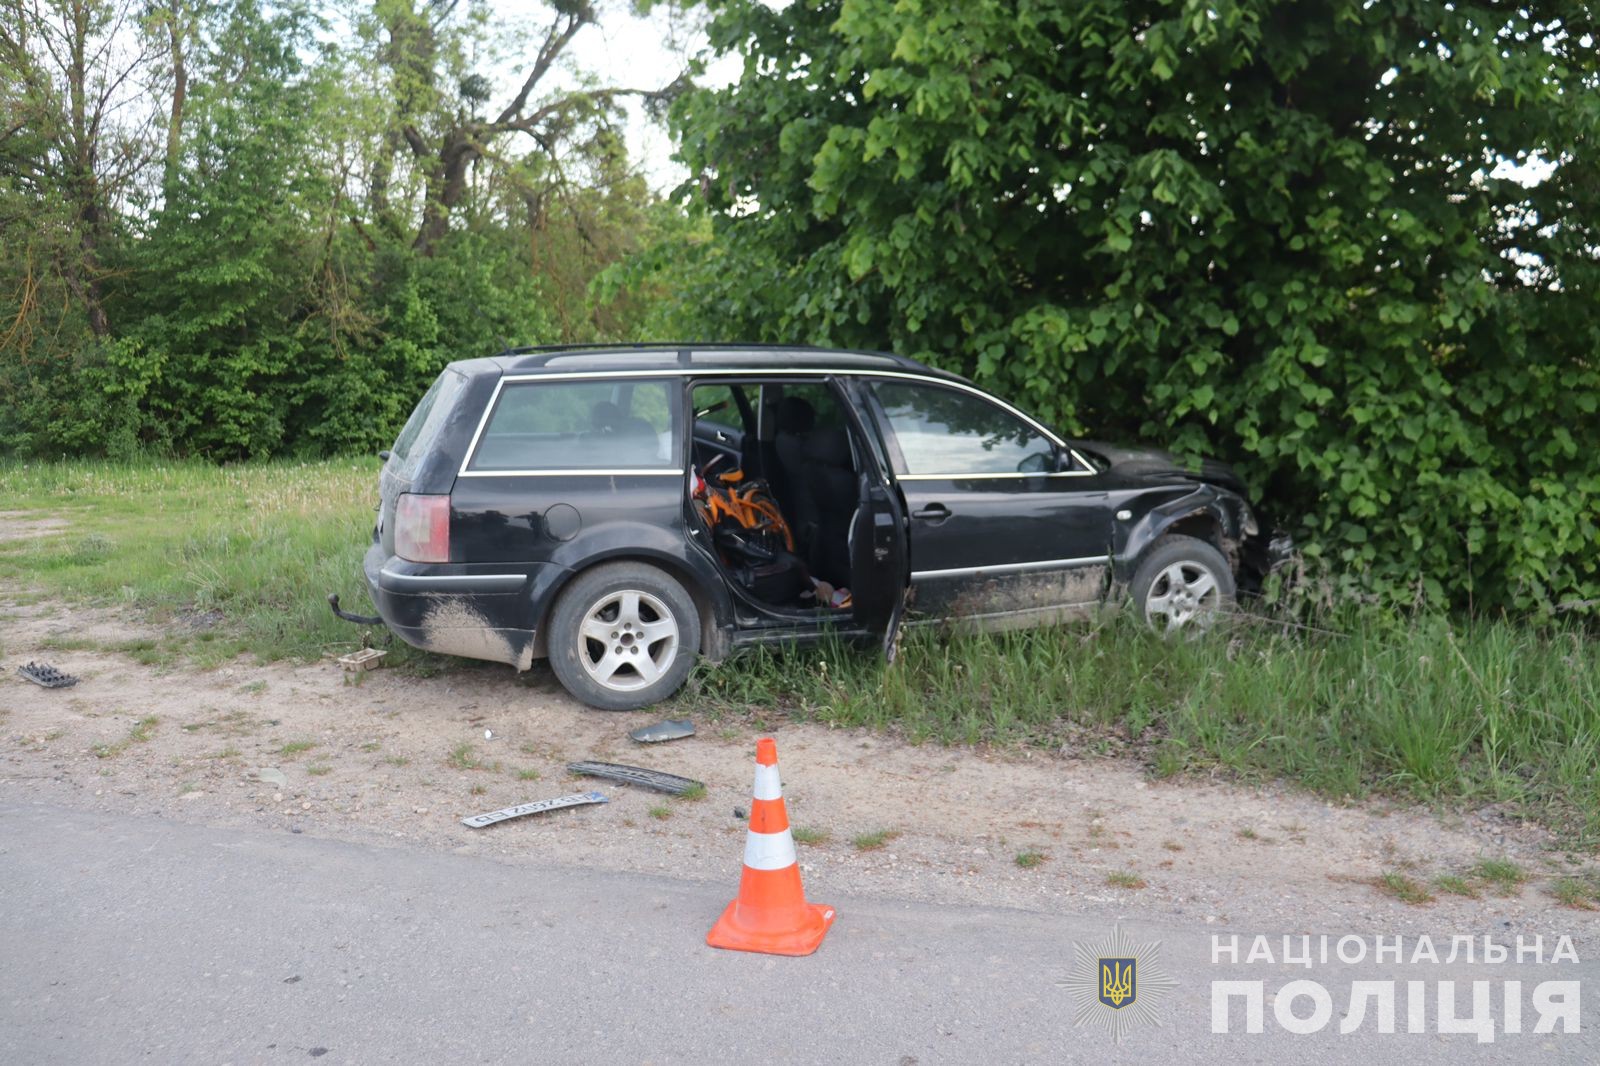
{"x":422,"y":528}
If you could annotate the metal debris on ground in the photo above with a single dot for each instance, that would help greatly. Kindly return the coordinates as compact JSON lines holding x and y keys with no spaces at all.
{"x":671,"y":729}
{"x":365,"y":659}
{"x":268,"y":775}
{"x":636,"y":775}
{"x":577,"y":799}
{"x":46,"y":675}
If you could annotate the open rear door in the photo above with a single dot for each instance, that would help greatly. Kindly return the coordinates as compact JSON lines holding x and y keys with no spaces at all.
{"x":878,"y":558}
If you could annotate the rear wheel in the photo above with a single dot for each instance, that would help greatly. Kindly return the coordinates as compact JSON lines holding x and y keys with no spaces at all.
{"x":623,"y":636}
{"x":1183,"y":585}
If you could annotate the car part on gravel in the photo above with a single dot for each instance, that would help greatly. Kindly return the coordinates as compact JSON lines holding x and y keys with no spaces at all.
{"x":577,"y":799}
{"x":365,"y":659}
{"x":47,"y":676}
{"x":635,"y":775}
{"x":671,"y":729}
{"x":359,"y":619}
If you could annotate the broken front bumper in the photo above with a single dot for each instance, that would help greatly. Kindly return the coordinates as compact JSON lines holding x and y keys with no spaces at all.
{"x":1262,"y":555}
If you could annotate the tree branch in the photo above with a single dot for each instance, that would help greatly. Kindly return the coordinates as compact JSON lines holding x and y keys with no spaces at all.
{"x":561,"y":33}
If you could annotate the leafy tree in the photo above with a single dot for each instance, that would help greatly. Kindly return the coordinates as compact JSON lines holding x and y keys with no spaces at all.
{"x":1284,"y":232}
{"x":446,"y":117}
{"x":219,"y":323}
{"x":225,"y":231}
{"x":73,"y":143}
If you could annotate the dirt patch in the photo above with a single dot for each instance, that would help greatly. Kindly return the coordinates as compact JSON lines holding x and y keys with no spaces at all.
{"x":389,"y":755}
{"x":29,"y":525}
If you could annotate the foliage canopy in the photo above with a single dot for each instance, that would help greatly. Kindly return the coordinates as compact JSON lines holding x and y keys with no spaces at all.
{"x":1299,"y":235}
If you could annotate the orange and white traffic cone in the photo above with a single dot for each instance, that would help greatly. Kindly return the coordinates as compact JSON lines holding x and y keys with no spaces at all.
{"x":771,"y":914}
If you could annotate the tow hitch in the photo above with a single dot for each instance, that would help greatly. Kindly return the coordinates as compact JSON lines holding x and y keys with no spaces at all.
{"x":359,"y":619}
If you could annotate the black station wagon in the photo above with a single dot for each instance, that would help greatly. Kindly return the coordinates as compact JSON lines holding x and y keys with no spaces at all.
{"x":621,"y":510}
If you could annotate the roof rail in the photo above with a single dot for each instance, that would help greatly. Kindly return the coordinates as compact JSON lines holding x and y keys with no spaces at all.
{"x":611,"y":346}
{"x":682,"y":350}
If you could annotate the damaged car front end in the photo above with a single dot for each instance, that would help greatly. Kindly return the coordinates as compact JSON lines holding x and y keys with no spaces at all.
{"x":1207,"y":501}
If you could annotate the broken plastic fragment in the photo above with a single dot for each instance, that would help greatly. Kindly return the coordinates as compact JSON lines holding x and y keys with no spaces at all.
{"x":636,"y":775}
{"x":671,"y":729}
{"x":45,"y":675}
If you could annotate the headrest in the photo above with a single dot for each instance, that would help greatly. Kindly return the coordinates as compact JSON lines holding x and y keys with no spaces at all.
{"x":795,"y":415}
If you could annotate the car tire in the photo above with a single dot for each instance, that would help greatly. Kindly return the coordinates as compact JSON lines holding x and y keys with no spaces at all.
{"x":1182,"y":585}
{"x":623,"y":636}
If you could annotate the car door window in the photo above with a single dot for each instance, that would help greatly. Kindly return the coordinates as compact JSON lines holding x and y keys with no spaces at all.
{"x":942,"y":431}
{"x":581,"y":425}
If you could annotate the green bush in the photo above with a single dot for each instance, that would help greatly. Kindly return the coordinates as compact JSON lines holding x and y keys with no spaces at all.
{"x":1278,"y":232}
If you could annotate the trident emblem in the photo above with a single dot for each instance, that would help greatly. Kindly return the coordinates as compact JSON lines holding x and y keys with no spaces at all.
{"x":1118,"y":983}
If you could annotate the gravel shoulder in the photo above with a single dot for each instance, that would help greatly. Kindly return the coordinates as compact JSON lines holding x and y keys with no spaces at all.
{"x":387,"y":756}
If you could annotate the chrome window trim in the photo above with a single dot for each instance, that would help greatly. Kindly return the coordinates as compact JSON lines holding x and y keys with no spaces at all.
{"x":590,"y":471}
{"x":1011,"y":568}
{"x":820,"y":372}
{"x":431,"y":579}
{"x":991,"y":477}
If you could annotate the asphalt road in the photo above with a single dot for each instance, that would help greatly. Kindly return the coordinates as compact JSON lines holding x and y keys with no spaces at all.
{"x":134,"y":940}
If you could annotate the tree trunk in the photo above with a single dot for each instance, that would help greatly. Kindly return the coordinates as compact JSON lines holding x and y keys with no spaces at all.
{"x":177,"y":34}
{"x":447,"y":183}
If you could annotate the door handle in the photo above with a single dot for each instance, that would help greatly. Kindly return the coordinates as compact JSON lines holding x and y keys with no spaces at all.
{"x":934,"y":512}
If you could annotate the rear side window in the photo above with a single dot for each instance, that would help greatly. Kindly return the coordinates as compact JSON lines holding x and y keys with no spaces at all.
{"x":582,"y":425}
{"x":430,"y":414}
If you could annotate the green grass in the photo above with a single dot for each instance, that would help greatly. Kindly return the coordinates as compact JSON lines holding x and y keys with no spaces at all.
{"x":1456,"y":885}
{"x":661,"y":812}
{"x":296,"y":747}
{"x":695,"y":791}
{"x":527,"y":774}
{"x":318,"y":769}
{"x":139,"y":733}
{"x":1501,"y":876}
{"x":1404,"y":888}
{"x":225,"y":560}
{"x":1424,"y":708}
{"x":464,"y":757}
{"x":1579,"y":891}
{"x":1125,"y":879}
{"x":874,"y":840}
{"x":806,"y":835}
{"x":1029,"y":859}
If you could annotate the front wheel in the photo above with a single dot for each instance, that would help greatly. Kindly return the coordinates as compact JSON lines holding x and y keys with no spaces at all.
{"x":623,"y":636}
{"x":1182,"y":585}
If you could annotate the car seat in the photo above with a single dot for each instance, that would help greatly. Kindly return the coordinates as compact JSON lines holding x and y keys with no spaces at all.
{"x":829,"y":472}
{"x":795,"y":420}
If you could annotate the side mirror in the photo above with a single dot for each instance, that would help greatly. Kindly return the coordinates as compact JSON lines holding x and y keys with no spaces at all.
{"x":384,"y":455}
